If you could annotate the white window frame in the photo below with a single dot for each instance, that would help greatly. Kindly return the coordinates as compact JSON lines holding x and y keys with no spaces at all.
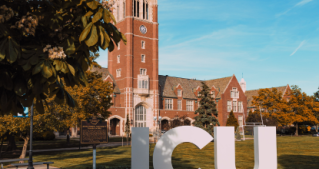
{"x":234,"y":93}
{"x":143,"y":44}
{"x":213,"y":94}
{"x":234,"y":106}
{"x":179,"y":104}
{"x":169,"y":104}
{"x":118,"y":59}
{"x":143,"y":58}
{"x":229,"y":106}
{"x":189,"y":105}
{"x":179,"y":93}
{"x":143,"y":84}
{"x":118,"y":44}
{"x":118,"y":72}
{"x":143,"y":71}
{"x":240,"y":107}
{"x":140,"y":116}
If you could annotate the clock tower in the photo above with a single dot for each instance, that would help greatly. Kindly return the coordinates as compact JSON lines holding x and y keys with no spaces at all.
{"x":134,"y":66}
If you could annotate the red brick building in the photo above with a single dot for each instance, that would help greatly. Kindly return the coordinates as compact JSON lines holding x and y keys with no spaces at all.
{"x":140,"y":92}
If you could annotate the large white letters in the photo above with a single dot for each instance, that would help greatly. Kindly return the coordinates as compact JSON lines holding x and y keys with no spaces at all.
{"x":265,"y":146}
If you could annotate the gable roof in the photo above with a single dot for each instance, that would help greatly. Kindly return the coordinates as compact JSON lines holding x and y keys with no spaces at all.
{"x":219,"y":84}
{"x":250,"y":93}
{"x":168,"y":84}
{"x":105,"y":72}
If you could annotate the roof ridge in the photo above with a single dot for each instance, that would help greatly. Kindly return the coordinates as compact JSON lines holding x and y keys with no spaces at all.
{"x":265,"y":88}
{"x":219,"y":78}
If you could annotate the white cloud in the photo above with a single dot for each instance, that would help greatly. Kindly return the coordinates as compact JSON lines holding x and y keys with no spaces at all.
{"x":303,"y":2}
{"x":300,"y":45}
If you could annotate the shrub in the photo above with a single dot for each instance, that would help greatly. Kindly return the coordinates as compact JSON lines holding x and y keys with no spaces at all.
{"x":48,"y":135}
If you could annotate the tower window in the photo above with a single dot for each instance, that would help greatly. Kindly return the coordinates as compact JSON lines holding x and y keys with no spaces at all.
{"x":147,"y":11}
{"x":138,"y":9}
{"x":143,"y":71}
{"x":134,"y":9}
{"x":143,"y":44}
{"x":118,"y":59}
{"x":143,"y":58}
{"x":144,"y":9}
{"x":124,"y":10}
{"x":118,"y":72}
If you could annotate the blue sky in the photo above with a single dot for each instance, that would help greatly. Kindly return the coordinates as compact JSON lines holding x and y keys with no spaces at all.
{"x":273,"y":43}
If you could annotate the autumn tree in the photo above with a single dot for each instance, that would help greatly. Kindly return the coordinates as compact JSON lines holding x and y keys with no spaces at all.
{"x":21,"y":126}
{"x":232,"y":120}
{"x":206,"y":113}
{"x":316,"y":105}
{"x":94,"y":99}
{"x":303,"y":107}
{"x":46,"y":43}
{"x":272,"y":105}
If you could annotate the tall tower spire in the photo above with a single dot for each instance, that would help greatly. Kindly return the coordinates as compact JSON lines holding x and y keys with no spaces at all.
{"x":135,"y":65}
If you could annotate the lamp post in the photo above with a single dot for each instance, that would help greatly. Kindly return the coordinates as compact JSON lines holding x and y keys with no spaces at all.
{"x":30,"y":166}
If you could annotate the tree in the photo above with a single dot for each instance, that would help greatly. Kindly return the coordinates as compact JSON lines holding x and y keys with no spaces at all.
{"x":44,"y":44}
{"x":206,"y":113}
{"x":94,"y":99}
{"x":303,"y":108}
{"x":21,"y":126}
{"x":316,"y":105}
{"x":127,"y":128}
{"x":232,"y":121}
{"x":272,"y":106}
{"x":253,"y":117}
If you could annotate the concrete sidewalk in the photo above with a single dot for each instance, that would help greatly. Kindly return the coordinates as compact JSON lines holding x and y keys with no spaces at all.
{"x":35,"y":167}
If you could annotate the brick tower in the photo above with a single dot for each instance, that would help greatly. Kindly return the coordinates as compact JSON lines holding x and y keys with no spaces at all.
{"x":134,"y":66}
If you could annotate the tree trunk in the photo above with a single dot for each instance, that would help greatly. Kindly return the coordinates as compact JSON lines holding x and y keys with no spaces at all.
{"x":25,"y":146}
{"x":1,"y":146}
{"x":296,"y":134}
{"x":68,"y":136}
{"x":317,"y":128}
{"x":11,"y":143}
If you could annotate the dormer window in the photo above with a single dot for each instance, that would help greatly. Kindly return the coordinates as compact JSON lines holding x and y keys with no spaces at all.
{"x":179,"y":93}
{"x":198,"y":94}
{"x":143,"y":71}
{"x":213,"y":94}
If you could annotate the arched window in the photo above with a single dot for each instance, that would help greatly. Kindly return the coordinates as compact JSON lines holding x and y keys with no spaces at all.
{"x":146,"y":11}
{"x":143,"y":9}
{"x":134,"y":8}
{"x":140,"y":116}
{"x":138,"y":8}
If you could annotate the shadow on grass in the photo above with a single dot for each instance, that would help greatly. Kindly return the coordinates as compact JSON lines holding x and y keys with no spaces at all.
{"x":298,"y":161}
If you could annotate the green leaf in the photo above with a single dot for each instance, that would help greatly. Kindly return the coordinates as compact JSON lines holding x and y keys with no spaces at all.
{"x":3,"y":45}
{"x":111,"y":45}
{"x":93,"y":4}
{"x":69,"y":47}
{"x":34,"y":59}
{"x":93,"y":38}
{"x":38,"y":68}
{"x":71,"y":69}
{"x":64,"y":68}
{"x":97,"y":16}
{"x":26,"y":66}
{"x":46,"y":71}
{"x":101,"y":34}
{"x":106,"y":16}
{"x":106,"y":39}
{"x":84,"y":21}
{"x":89,"y":13}
{"x":13,"y":51}
{"x":85,"y":32}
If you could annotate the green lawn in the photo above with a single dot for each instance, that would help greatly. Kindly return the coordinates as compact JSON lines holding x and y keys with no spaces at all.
{"x":293,"y":153}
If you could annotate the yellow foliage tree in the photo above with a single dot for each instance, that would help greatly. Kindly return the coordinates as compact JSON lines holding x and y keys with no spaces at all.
{"x":303,"y":107}
{"x":271,"y":104}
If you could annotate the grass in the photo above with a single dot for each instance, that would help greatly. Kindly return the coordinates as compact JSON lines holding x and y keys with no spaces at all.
{"x":293,"y":153}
